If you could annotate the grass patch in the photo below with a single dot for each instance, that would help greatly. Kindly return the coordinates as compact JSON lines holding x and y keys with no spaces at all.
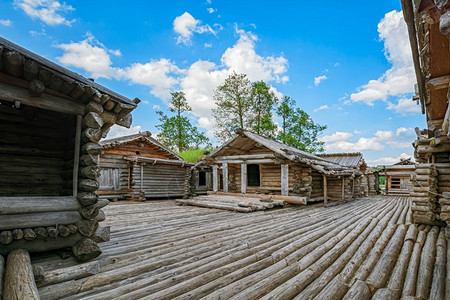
{"x":193,"y":156}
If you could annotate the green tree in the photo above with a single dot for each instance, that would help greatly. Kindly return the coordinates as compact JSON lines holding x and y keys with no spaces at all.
{"x":177,"y":132}
{"x":298,"y":129}
{"x":262,"y":103}
{"x":233,"y":105}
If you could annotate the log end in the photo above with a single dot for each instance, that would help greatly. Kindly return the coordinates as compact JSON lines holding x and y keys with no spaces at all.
{"x":86,"y":249}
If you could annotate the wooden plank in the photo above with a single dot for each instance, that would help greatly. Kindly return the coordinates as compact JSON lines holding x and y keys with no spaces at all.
{"x":248,"y":161}
{"x":76,"y":158}
{"x":225,"y":177}
{"x":438,"y":83}
{"x":325,"y":192}
{"x":243,"y":178}
{"x":215,"y":179}
{"x":46,"y":101}
{"x":245,"y":157}
{"x":343,"y":189}
{"x":284,"y":180}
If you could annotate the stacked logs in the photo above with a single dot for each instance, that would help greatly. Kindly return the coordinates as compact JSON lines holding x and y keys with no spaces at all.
{"x":424,"y":195}
{"x":444,"y":203}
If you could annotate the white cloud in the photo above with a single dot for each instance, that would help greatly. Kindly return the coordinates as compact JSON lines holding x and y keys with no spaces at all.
{"x":198,"y":81}
{"x":208,"y":45}
{"x":89,"y":55}
{"x":387,"y":160}
{"x":321,"y":108}
{"x":401,"y":138}
{"x":93,"y":57}
{"x":210,"y":10}
{"x":48,"y":11}
{"x":203,"y":77}
{"x":319,"y":79}
{"x":400,"y":78}
{"x":337,"y":136}
{"x":185,"y":25}
{"x":159,"y":75}
{"x":118,"y":131}
{"x":5,"y":22}
{"x":404,"y":106}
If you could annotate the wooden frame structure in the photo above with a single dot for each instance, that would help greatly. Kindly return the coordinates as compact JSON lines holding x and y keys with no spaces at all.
{"x":51,"y":121}
{"x":398,"y":177}
{"x":428,"y":24}
{"x":138,"y":167}
{"x":283,"y":170}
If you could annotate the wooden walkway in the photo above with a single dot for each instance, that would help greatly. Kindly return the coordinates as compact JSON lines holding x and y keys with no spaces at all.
{"x":359,"y":250}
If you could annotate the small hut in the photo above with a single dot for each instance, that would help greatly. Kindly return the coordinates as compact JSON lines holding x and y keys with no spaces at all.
{"x":201,"y":179}
{"x":398,"y":177}
{"x":138,"y":167}
{"x":51,"y":121}
{"x":251,"y":163}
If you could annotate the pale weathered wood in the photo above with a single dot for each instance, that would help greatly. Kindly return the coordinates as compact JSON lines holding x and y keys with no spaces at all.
{"x":225,"y":177}
{"x":325,"y":192}
{"x":2,"y":267}
{"x":215,"y":179}
{"x":284,"y":180}
{"x":13,"y":221}
{"x":21,"y":205}
{"x":19,"y":279}
{"x":243,"y":178}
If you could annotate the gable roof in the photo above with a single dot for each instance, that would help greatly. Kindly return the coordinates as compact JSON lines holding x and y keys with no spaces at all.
{"x":354,"y":160}
{"x":290,"y":153}
{"x":141,"y":136}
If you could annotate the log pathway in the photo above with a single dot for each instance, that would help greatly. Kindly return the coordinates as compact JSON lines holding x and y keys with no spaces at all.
{"x":365,"y":249}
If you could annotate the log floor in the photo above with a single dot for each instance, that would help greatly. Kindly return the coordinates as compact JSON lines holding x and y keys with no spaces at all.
{"x":364,"y":249}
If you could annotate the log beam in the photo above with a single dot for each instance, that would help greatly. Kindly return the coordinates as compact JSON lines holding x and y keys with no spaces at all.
{"x":225,"y":177}
{"x":215,"y":179}
{"x":19,"y":278}
{"x":325,"y":196}
{"x":285,"y":180}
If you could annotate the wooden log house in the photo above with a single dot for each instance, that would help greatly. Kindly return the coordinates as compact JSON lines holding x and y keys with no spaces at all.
{"x":364,"y":185}
{"x":398,"y":177}
{"x":138,"y":167}
{"x":428,"y":24}
{"x":51,"y":121}
{"x":251,"y":163}
{"x":201,"y":179}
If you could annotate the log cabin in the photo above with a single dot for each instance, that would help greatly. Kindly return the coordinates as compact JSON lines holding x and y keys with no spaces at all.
{"x":51,"y":121}
{"x":138,"y":167}
{"x":428,"y":23}
{"x":251,"y":163}
{"x":201,"y":179}
{"x":398,"y":177}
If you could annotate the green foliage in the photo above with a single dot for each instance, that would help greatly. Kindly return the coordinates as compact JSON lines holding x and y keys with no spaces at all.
{"x":177,"y":132}
{"x":298,"y":129}
{"x":382,"y":180}
{"x":262,"y":102}
{"x":193,"y":155}
{"x":233,"y":105}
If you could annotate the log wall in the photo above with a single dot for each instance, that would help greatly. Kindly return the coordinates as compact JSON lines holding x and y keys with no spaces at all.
{"x":159,"y":181}
{"x":34,"y":157}
{"x":114,"y":177}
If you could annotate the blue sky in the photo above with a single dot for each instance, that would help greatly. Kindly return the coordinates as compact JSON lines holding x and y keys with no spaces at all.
{"x":346,"y":63}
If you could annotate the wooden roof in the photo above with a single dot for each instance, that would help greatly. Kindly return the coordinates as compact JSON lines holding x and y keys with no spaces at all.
{"x":245,"y":140}
{"x":354,"y":160}
{"x":144,"y":136}
{"x":65,"y":91}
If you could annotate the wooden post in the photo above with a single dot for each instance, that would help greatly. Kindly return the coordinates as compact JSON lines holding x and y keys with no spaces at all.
{"x":142,"y":178}
{"x":225,"y":177}
{"x":76,"y":158}
{"x":386,"y":183}
{"x":353,"y":187}
{"x":325,"y":197}
{"x":243,"y":178}
{"x":215,"y":179}
{"x":19,"y":279}
{"x":343,"y":191}
{"x":284,"y":180}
